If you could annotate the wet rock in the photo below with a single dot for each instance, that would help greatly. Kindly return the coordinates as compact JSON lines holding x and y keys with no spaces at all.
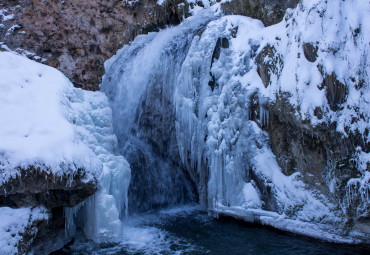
{"x":310,"y":52}
{"x":336,"y":92}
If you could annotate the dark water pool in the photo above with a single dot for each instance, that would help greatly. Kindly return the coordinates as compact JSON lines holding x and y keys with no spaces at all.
{"x":187,"y":230}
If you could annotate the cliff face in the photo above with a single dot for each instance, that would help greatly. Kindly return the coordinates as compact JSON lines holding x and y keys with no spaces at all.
{"x":77,"y":36}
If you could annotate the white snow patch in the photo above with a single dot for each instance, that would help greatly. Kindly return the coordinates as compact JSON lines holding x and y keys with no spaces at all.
{"x":13,"y":222}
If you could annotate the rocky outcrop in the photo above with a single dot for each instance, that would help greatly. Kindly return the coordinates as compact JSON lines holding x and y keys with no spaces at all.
{"x":268,"y":11}
{"x":310,"y":52}
{"x":37,"y":185}
{"x":77,"y":36}
{"x":268,"y":63}
{"x":321,"y":154}
{"x":336,"y":92}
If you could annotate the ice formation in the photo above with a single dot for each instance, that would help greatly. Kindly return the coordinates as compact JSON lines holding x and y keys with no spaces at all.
{"x":205,"y":72}
{"x":100,"y":216}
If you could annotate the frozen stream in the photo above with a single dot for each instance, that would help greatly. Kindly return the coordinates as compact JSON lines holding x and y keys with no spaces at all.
{"x":187,"y":230}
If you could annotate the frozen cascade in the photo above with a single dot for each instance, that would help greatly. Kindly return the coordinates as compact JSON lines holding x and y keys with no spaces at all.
{"x":139,"y":83}
{"x":100,"y":215}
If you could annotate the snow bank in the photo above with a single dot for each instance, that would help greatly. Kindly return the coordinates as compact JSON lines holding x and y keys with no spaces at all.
{"x":37,"y":122}
{"x":14,"y":223}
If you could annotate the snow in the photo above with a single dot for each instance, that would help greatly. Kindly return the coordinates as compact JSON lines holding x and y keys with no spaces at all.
{"x":213,"y":126}
{"x":37,"y":127}
{"x":14,"y":222}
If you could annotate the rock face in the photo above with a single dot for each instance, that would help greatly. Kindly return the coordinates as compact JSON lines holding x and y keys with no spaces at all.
{"x":77,"y":36}
{"x":268,"y":11}
{"x":38,"y":186}
{"x":266,"y":68}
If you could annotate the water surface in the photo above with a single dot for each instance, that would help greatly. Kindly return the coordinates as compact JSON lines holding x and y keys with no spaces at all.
{"x":188,"y":230}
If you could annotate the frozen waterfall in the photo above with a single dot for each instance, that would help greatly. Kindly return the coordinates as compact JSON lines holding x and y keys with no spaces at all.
{"x":189,"y":111}
{"x":100,"y":215}
{"x":140,"y":81}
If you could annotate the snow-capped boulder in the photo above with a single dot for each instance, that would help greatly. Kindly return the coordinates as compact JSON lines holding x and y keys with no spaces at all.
{"x":57,"y":148}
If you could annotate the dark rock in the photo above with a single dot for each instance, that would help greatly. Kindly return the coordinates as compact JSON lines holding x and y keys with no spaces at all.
{"x":318,"y":113}
{"x":37,"y":185}
{"x":268,"y":11}
{"x":336,"y":92}
{"x":30,"y":233}
{"x":268,"y":62}
{"x":310,"y":52}
{"x":320,"y":153}
{"x":221,"y":43}
{"x":224,"y":43}
{"x":51,"y":235}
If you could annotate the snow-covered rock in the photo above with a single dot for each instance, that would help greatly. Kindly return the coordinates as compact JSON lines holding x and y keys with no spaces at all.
{"x":304,"y":81}
{"x":18,"y":228}
{"x":57,"y":145}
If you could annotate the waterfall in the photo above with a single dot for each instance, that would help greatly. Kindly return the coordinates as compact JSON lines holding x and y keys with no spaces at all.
{"x":140,"y":82}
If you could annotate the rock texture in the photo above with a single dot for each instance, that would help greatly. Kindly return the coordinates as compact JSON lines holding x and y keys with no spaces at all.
{"x":320,"y":152}
{"x":78,"y":36}
{"x":38,"y":186}
{"x":268,"y":11}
